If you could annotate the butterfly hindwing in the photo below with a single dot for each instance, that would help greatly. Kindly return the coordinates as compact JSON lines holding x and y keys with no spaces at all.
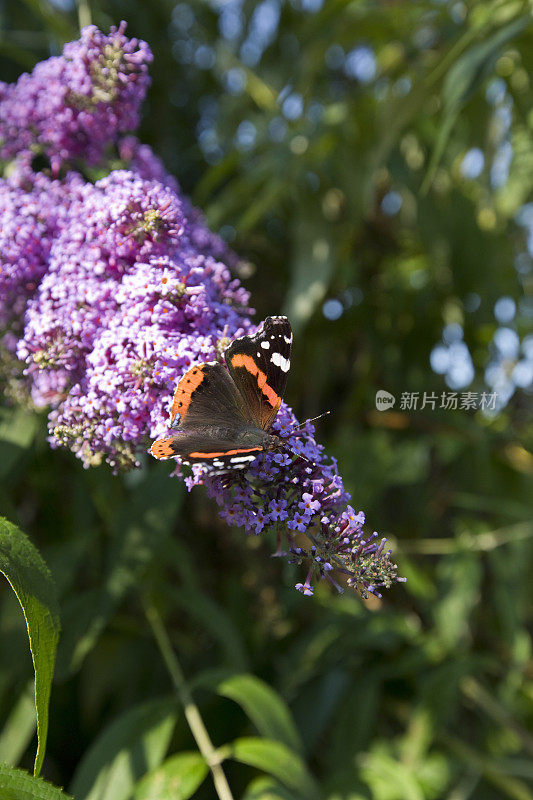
{"x":216,"y":455}
{"x":259,"y":365}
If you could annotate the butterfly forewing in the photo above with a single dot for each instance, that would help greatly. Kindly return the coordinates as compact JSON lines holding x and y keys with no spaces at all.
{"x":206,"y":415}
{"x":207,"y":396}
{"x":259,"y":365}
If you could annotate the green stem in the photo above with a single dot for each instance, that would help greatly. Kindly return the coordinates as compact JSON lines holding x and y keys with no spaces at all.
{"x":484,"y":700}
{"x":489,"y":768}
{"x":480,"y":542}
{"x":84,"y":13}
{"x":192,"y":713}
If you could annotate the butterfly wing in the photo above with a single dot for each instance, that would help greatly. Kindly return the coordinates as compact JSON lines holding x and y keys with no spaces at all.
{"x":209,"y":410}
{"x":206,"y":396}
{"x":206,"y":413}
{"x":259,"y":365}
{"x":216,"y":455}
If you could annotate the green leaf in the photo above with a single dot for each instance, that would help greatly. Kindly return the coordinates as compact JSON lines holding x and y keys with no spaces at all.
{"x":465,"y":75}
{"x":319,"y":703}
{"x":213,"y":177}
{"x":24,"y":57}
{"x":388,"y":778}
{"x":260,"y":206}
{"x":459,"y":595}
{"x":17,"y":431}
{"x":132,"y":745}
{"x":52,"y":19}
{"x":19,"y":728}
{"x":265,"y":708}
{"x":15,"y":784}
{"x":140,"y":527}
{"x":215,"y":620}
{"x":32,"y":583}
{"x":462,"y":80}
{"x":277,"y":760}
{"x":176,"y":779}
{"x":265,"y":788}
{"x":85,"y":615}
{"x":311,"y":267}
{"x":517,"y":188}
{"x":345,"y":739}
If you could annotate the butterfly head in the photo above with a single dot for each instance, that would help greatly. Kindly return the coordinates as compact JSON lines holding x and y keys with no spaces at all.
{"x":274,"y":442}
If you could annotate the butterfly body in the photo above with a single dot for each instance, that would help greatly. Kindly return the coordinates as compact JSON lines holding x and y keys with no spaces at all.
{"x":221,"y":418}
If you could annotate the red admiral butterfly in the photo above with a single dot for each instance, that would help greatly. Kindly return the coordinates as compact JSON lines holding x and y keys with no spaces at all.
{"x":221,"y":420}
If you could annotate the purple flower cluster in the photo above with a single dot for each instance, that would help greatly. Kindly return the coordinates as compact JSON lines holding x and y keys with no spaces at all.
{"x":110,"y":291}
{"x":301,"y":494}
{"x":127,"y":304}
{"x":72,"y":106}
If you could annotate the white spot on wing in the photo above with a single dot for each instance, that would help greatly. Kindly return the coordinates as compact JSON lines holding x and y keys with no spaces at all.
{"x":283,"y":363}
{"x":240,"y":459}
{"x":265,"y":345}
{"x":288,"y":339}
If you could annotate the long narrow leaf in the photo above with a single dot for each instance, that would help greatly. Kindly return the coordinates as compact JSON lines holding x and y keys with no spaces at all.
{"x":463,"y":79}
{"x":177,"y":778}
{"x":135,"y":743}
{"x":279,"y":761}
{"x":264,"y":707}
{"x":17,"y":431}
{"x":32,"y":583}
{"x":266,"y":788}
{"x":19,"y":728}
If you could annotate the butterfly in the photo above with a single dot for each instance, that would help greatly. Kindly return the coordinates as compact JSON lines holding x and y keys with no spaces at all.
{"x":221,"y":418}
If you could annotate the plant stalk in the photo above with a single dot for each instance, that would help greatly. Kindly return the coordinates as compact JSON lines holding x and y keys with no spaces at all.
{"x":84,"y":13}
{"x":192,"y":713}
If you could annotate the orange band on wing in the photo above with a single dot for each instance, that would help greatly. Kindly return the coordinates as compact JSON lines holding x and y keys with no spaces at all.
{"x":225,"y":453}
{"x":162,"y":448}
{"x":182,"y":396}
{"x":249,"y":364}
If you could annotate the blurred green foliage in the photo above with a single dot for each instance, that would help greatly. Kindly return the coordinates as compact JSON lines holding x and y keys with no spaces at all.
{"x":370,"y":162}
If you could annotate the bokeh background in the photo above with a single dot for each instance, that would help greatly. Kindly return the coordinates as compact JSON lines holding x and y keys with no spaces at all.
{"x":372,"y":164}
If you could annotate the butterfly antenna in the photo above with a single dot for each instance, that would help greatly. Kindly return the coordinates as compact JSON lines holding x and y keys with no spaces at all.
{"x":312,"y":419}
{"x":286,"y":448}
{"x":307,"y":460}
